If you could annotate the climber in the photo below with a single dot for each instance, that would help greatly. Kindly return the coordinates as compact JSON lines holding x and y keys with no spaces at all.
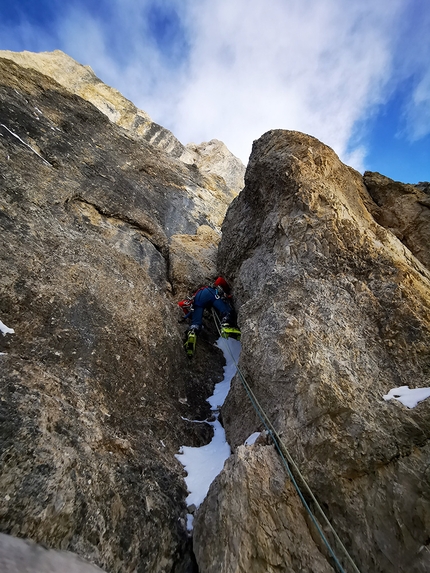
{"x":217,"y":296}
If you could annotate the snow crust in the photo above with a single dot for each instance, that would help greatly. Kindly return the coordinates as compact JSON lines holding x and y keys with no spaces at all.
{"x":409,"y":397}
{"x":205,"y":463}
{"x":5,"y":330}
{"x":251,"y":439}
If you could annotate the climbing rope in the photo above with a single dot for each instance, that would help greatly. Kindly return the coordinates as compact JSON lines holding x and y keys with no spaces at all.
{"x":287,"y":462}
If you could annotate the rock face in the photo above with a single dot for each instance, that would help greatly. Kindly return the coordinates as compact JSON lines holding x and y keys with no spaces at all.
{"x":82,"y":81}
{"x":404,"y":210}
{"x":95,"y":387}
{"x":211,"y":158}
{"x":254,"y":500}
{"x":334,"y":312}
{"x":19,"y":556}
{"x":193,"y":259}
{"x":104,"y":225}
{"x":214,"y":157}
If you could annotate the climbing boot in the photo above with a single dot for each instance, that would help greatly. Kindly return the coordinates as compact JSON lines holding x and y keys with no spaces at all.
{"x":190,"y":343}
{"x":228,"y":331}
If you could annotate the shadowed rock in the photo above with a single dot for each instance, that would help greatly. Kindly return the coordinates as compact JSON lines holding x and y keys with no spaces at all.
{"x":96,"y":390}
{"x":19,"y":556}
{"x":404,"y":210}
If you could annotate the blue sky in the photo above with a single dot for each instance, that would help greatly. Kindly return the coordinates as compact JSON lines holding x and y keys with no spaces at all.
{"x":355,"y":74}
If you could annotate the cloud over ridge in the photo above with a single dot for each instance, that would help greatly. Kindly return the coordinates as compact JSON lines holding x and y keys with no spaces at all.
{"x":233,"y":70}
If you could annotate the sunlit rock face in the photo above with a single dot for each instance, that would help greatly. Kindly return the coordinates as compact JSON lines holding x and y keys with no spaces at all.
{"x":82,"y":81}
{"x":96,"y":391}
{"x":213,"y":158}
{"x":334,"y":312}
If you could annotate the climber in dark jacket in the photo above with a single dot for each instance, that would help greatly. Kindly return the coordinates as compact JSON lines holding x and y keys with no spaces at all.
{"x":216,"y":296}
{"x":208,"y":297}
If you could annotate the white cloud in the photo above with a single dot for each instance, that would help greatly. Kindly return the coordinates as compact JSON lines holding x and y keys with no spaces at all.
{"x":121,"y":48}
{"x":312,"y":66}
{"x":418,"y":111}
{"x":233,"y":70}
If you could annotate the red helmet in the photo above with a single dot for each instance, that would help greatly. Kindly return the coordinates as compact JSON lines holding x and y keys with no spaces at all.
{"x":220,"y":282}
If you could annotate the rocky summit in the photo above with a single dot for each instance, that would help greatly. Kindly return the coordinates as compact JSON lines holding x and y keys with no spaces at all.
{"x":107,"y":220}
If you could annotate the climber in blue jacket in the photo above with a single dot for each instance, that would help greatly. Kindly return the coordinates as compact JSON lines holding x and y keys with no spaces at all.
{"x":217,"y":297}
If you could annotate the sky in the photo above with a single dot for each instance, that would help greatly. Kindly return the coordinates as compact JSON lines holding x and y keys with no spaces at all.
{"x":353,"y":73}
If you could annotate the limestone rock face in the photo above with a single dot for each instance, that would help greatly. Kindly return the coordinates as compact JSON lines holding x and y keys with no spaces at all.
{"x":404,"y":210}
{"x":81,"y":80}
{"x":193,"y":259}
{"x":214,"y":157}
{"x":246,"y":529}
{"x":96,"y":390}
{"x":334,"y":312}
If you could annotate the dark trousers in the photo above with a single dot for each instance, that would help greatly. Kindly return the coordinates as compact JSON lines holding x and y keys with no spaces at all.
{"x":206,"y":298}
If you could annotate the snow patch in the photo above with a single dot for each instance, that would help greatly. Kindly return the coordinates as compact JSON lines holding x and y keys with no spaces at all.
{"x":408,"y":396}
{"x":252,"y":438}
{"x":205,"y":463}
{"x":5,"y":330}
{"x":26,"y":144}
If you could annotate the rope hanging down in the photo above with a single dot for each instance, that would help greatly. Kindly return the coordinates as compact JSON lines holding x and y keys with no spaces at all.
{"x":287,"y":462}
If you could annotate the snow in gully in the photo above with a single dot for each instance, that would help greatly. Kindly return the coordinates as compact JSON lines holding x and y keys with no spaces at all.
{"x":205,"y":463}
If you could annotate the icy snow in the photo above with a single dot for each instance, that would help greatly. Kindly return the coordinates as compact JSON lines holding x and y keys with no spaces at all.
{"x":26,"y":144}
{"x":251,"y":440}
{"x":408,"y":396}
{"x":204,"y":464}
{"x":5,"y":330}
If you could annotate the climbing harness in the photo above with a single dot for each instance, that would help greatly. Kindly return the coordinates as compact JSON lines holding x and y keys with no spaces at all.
{"x":287,"y":462}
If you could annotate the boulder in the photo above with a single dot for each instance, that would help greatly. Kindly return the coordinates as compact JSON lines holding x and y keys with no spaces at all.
{"x":254,"y":521}
{"x":23,"y":556}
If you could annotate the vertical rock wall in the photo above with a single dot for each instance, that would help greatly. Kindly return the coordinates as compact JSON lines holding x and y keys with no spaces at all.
{"x":334,"y":312}
{"x":96,"y":392}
